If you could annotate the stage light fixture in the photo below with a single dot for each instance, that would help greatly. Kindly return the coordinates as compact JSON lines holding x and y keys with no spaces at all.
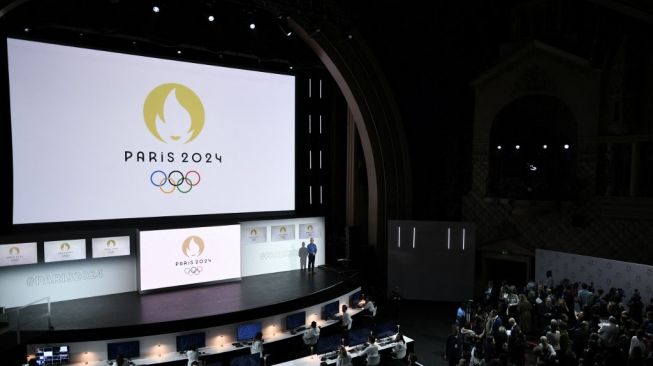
{"x":498,"y":147}
{"x":252,"y":26}
{"x":156,"y":9}
{"x":26,"y":29}
{"x":545,"y":147}
{"x":566,"y":146}
{"x":517,"y":147}
{"x":211,"y":18}
{"x":179,"y":52}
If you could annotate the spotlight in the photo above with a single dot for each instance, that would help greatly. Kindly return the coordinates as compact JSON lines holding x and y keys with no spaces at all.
{"x":179,"y":52}
{"x":566,"y":146}
{"x":211,"y":18}
{"x":156,"y":9}
{"x":545,"y":147}
{"x":532,"y":167}
{"x":288,"y":34}
{"x":26,"y":29}
{"x":349,"y":36}
{"x":498,"y":147}
{"x":290,"y":67}
{"x":252,"y":26}
{"x":517,"y":147}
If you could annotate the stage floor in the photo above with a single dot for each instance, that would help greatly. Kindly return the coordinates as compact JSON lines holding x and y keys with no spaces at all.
{"x":207,"y":304}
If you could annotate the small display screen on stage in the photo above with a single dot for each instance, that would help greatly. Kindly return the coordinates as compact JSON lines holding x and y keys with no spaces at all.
{"x":126,"y":349}
{"x":295,"y":320}
{"x":53,"y":355}
{"x":190,"y":256}
{"x":191,"y":341}
{"x":330,"y":309}
{"x":247,"y":332}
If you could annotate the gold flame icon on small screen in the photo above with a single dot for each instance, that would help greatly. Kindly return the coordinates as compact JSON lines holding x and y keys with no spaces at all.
{"x":111,"y":243}
{"x":14,"y":251}
{"x":64,"y":247}
{"x":193,"y":246}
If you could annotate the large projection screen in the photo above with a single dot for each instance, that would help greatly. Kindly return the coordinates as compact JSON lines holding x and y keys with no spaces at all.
{"x":178,"y":257}
{"x":99,"y":135}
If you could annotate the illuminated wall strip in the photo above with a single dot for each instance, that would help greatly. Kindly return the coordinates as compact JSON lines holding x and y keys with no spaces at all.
{"x":310,"y":195}
{"x":320,"y":124}
{"x":320,"y":88}
{"x":310,"y":82}
{"x":320,"y":159}
{"x":309,"y":124}
{"x":463,"y":238}
{"x":310,"y":159}
{"x":413,"y":237}
{"x":449,"y":238}
{"x":399,"y":237}
{"x":320,"y":194}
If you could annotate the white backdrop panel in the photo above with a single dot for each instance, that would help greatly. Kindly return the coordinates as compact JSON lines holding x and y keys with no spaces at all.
{"x":280,"y":252}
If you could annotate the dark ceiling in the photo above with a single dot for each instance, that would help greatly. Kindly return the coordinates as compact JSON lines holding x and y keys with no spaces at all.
{"x":134,"y":26}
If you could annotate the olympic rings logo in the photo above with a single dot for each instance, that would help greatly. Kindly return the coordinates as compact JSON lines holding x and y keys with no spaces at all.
{"x":193,"y":270}
{"x":175,"y":180}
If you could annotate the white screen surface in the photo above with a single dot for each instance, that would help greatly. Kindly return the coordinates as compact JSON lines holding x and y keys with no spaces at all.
{"x":99,"y":135}
{"x":114,"y":246}
{"x":180,"y":257}
{"x":64,"y":250}
{"x":16,"y":254}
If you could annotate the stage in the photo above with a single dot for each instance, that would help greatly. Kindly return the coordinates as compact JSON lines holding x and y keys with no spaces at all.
{"x":134,"y":314}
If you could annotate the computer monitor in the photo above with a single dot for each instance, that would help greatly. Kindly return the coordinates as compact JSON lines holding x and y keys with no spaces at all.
{"x":329,"y":343}
{"x":131,"y":349}
{"x":52,"y":355}
{"x":295,"y":320}
{"x":330,"y":309}
{"x":386,"y":329}
{"x":247,"y":332}
{"x":355,"y":298}
{"x":190,"y":341}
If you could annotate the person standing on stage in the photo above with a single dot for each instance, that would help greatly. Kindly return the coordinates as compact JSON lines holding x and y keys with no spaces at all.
{"x":312,"y":250}
{"x":303,"y":254}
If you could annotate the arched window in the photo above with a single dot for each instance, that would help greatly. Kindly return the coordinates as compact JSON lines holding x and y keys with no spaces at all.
{"x":532,"y":150}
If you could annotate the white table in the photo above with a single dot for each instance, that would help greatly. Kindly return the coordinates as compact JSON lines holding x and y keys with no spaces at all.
{"x":354,"y":351}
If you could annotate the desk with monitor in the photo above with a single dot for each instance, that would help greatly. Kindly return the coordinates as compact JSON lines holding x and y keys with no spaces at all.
{"x":330,"y":358}
{"x":240,"y":347}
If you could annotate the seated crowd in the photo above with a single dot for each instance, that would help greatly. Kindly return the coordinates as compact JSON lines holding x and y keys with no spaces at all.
{"x":552,"y":324}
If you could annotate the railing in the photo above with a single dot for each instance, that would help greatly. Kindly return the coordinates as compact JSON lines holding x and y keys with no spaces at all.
{"x":48,"y":314}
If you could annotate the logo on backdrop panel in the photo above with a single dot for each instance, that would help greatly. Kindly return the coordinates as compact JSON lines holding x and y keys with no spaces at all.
{"x":14,"y":251}
{"x":174,"y":115}
{"x":173,"y":112}
{"x":193,"y":247}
